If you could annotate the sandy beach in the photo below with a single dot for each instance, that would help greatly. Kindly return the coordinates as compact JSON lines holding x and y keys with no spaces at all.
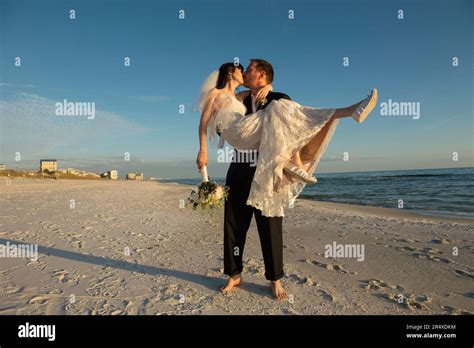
{"x":126,"y":247}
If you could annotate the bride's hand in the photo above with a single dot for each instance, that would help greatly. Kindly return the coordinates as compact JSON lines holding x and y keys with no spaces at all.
{"x":202,"y":159}
{"x":262,"y":94}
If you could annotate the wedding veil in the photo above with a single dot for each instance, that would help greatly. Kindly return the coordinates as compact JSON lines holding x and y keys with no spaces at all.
{"x":206,"y":87}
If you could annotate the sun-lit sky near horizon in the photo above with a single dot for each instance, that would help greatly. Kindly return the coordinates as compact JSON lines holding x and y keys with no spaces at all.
{"x":409,"y":60}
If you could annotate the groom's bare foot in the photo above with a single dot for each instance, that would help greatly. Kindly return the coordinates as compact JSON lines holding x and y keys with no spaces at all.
{"x":231,"y":283}
{"x":278,"y":292}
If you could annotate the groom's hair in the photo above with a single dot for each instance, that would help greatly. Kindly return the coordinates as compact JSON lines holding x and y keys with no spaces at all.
{"x":263,"y":65}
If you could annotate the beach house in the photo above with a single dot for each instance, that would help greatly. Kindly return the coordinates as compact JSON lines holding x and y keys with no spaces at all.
{"x":50,"y":165}
{"x":134,"y":176}
{"x":111,"y":174}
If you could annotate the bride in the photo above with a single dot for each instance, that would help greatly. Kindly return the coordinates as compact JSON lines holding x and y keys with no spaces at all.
{"x":290,"y":138}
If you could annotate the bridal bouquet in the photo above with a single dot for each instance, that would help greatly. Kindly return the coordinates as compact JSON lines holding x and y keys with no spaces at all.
{"x":208,"y":195}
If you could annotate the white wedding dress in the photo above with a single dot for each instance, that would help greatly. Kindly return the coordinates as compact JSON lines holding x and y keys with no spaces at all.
{"x":277,"y":132}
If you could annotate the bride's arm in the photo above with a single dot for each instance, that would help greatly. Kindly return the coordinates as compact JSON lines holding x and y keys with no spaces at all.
{"x":262,"y":94}
{"x":202,"y":157}
{"x":242,"y":95}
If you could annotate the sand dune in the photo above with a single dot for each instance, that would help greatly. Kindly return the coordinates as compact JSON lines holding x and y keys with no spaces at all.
{"x":129,"y":248}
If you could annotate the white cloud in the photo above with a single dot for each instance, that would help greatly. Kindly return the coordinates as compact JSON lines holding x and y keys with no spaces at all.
{"x":28,"y":124}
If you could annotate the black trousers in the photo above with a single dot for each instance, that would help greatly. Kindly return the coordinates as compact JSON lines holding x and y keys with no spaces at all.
{"x":237,"y":218}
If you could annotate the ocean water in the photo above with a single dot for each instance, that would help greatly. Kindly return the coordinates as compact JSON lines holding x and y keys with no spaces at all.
{"x":439,"y":192}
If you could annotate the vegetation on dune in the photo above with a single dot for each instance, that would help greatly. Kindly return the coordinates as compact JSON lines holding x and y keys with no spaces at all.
{"x":45,"y":175}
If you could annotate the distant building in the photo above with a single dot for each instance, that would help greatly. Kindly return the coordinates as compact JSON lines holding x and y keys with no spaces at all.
{"x":48,"y":164}
{"x":153,"y":178}
{"x":68,"y":171}
{"x":134,"y":176}
{"x":2,"y":167}
{"x":111,"y":174}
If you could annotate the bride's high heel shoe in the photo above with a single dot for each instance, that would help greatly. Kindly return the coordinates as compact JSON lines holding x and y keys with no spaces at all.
{"x":299,"y":173}
{"x":365,"y":107}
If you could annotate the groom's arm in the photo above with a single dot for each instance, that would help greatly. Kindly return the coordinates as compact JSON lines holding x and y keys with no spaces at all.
{"x":278,"y":95}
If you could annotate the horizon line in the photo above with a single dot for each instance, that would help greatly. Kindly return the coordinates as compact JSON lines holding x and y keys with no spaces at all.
{"x":365,"y":171}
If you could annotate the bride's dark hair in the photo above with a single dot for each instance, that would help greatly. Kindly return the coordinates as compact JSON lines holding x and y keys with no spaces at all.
{"x":224,"y":73}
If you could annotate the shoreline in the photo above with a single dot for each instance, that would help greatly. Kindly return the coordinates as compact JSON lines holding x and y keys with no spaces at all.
{"x":366,"y":209}
{"x":372,"y":210}
{"x":391,"y":212}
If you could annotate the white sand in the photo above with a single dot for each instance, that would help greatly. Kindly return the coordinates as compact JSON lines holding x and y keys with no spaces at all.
{"x":176,"y":257}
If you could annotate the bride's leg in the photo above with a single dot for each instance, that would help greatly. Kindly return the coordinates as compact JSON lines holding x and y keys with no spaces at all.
{"x":296,"y":159}
{"x":308,"y":151}
{"x":345,"y":112}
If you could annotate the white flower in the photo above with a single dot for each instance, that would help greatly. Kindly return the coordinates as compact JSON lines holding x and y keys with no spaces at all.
{"x":218,"y":192}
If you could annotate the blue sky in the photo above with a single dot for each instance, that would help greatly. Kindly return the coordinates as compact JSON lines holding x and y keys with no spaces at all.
{"x":408,"y":60}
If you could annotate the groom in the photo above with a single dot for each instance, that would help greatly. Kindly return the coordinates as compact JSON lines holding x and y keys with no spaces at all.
{"x":237,"y":214}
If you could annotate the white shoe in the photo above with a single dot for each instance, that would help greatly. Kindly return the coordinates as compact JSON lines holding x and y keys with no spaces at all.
{"x":299,"y":173}
{"x":365,"y":107}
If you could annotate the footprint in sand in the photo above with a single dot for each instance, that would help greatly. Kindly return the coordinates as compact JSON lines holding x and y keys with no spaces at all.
{"x":429,"y":256}
{"x":464,"y":273}
{"x":408,"y":301}
{"x":254,"y":267}
{"x":56,"y":292}
{"x":77,"y":244}
{"x":300,"y":246}
{"x":307,"y":281}
{"x":407,"y":248}
{"x":105,"y":287}
{"x":10,"y":290}
{"x":100,"y":291}
{"x":418,"y":301}
{"x":39,"y":300}
{"x":148,"y":220}
{"x":327,"y":295}
{"x":63,"y":276}
{"x":440,"y":241}
{"x":455,"y":311}
{"x":403,"y":240}
{"x":330,"y":267}
{"x":411,"y":301}
{"x":77,"y":307}
{"x":425,"y":254}
{"x":377,"y":284}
